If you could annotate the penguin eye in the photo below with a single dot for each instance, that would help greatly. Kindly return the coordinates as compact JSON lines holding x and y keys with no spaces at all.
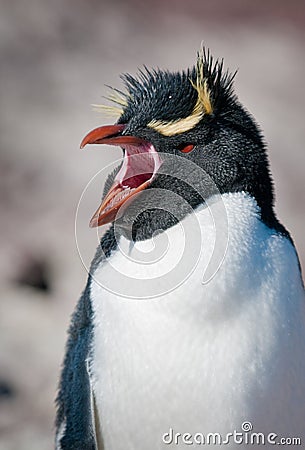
{"x":185,"y":148}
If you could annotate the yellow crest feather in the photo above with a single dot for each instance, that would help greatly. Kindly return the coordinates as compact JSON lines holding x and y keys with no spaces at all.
{"x":115,"y":97}
{"x":110,"y":110}
{"x":201,"y":86}
{"x":203,"y":106}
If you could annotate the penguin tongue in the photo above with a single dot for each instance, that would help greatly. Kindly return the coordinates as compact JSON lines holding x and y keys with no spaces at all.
{"x":140,"y":164}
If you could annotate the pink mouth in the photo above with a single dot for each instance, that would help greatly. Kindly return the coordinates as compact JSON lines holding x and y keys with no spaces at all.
{"x":140,"y":165}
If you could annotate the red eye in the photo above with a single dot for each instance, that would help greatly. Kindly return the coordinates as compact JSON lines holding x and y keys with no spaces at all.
{"x":186,"y":148}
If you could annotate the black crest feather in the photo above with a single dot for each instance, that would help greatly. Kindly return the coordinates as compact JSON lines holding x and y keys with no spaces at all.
{"x":155,"y":94}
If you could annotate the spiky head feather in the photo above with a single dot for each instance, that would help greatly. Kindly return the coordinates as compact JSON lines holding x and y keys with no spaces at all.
{"x":173,"y":103}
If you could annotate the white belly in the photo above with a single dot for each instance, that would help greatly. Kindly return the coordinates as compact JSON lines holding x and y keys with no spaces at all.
{"x":200,"y":357}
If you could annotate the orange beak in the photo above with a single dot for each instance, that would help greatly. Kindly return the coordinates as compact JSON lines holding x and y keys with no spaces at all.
{"x":109,"y":134}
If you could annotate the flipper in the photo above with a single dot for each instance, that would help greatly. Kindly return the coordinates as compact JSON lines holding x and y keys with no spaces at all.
{"x":75,"y":422}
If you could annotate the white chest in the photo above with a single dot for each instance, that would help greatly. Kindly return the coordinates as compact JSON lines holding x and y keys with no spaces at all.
{"x":199,"y":330}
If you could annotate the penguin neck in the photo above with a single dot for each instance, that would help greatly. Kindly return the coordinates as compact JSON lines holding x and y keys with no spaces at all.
{"x":153,"y":221}
{"x":164,"y":204}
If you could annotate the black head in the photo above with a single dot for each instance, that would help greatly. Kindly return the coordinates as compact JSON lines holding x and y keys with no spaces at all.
{"x":195,"y":115}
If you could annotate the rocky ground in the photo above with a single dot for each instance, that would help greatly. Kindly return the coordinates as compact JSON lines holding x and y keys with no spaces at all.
{"x":55,"y":59}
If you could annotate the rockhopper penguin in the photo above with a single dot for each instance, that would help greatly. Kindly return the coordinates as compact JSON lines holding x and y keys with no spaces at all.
{"x":192,"y":320}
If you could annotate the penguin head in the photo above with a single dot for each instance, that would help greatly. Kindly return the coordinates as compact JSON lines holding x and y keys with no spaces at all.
{"x":169,"y":118}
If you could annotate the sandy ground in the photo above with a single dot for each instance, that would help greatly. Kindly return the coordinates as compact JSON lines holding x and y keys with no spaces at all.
{"x":55,"y":59}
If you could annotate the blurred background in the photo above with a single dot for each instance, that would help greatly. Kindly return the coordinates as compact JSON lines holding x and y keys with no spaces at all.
{"x":56,"y":56}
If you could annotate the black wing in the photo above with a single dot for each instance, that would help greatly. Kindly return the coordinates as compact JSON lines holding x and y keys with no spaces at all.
{"x":75,"y":420}
{"x":75,"y":414}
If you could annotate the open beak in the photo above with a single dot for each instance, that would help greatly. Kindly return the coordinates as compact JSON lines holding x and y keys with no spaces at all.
{"x":140,"y":164}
